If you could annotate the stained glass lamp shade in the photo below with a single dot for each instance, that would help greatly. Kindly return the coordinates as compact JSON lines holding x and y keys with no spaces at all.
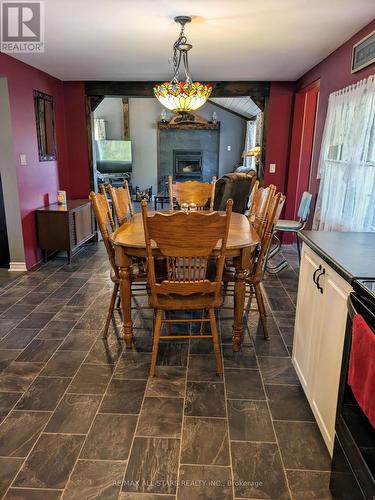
{"x":184,"y":96}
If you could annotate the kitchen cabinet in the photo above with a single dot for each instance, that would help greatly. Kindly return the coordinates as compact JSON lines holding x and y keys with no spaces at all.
{"x":319,"y":337}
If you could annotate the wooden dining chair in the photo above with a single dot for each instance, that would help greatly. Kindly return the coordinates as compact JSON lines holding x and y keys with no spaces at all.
{"x":196,"y":192}
{"x":103,"y":190}
{"x":259,"y":207}
{"x":266,"y":222}
{"x":102,"y":213}
{"x":186,"y":249}
{"x":130,"y":203}
{"x":121,"y":202}
{"x":251,"y":197}
{"x":256,"y":273}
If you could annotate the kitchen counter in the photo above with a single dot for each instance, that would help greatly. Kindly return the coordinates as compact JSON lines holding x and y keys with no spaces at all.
{"x":330,"y":261}
{"x":351,"y":255}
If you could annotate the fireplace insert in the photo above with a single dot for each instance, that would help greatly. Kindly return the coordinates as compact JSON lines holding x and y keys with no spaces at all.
{"x":187,"y":165}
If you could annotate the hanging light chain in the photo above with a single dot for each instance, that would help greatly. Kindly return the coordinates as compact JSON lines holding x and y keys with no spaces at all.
{"x":180,"y":54}
{"x":185,"y":96}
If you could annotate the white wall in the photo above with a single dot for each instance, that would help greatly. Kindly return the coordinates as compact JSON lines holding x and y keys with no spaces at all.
{"x":232,"y":133}
{"x":10,"y":184}
{"x":110,"y":109}
{"x":144,"y":113}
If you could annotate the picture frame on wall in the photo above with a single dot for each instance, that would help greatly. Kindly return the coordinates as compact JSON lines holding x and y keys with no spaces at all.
{"x":363,"y":52}
{"x":45,"y":126}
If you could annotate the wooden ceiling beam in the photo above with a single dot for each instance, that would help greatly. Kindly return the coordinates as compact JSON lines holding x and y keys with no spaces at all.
{"x":145,"y":89}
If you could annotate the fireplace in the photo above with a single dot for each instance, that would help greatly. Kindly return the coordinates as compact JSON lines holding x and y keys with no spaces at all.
{"x":187,"y":153}
{"x":187,"y":165}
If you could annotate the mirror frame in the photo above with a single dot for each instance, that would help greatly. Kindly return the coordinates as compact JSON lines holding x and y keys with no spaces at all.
{"x":39,"y":124}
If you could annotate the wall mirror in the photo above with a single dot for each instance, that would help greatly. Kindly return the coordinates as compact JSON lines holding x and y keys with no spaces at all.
{"x":45,"y":126}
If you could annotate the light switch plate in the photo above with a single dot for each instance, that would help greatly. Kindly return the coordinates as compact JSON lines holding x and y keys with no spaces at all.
{"x":229,"y":148}
{"x":272,"y":168}
{"x":23,"y":159}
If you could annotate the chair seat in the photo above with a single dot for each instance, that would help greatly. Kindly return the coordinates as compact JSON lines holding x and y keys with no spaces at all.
{"x":193,"y":302}
{"x":288,"y":225}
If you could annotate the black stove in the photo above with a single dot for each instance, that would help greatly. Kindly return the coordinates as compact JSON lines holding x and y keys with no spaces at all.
{"x":353,"y":464}
{"x":365,"y":288}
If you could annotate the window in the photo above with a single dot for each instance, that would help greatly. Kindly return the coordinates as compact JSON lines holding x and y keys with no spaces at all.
{"x":346,"y":199}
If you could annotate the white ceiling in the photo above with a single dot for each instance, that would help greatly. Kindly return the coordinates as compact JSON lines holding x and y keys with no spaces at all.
{"x":245,"y":106}
{"x":232,"y":39}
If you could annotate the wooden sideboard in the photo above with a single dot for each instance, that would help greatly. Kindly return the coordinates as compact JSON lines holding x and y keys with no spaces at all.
{"x":64,"y":227}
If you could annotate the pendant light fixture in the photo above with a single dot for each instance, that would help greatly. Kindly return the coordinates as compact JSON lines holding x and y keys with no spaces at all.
{"x":182,"y":96}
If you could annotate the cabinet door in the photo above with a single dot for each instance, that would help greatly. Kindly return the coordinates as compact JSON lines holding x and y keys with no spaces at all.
{"x":328,"y":353}
{"x":307,"y":319}
{"x":83,"y":224}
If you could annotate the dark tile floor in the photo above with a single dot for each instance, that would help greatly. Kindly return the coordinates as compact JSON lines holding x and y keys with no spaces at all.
{"x":81,"y":420}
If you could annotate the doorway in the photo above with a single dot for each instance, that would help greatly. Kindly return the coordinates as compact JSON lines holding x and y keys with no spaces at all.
{"x":4,"y":247}
{"x":302,"y":146}
{"x":136,"y":132}
{"x":144,"y":152}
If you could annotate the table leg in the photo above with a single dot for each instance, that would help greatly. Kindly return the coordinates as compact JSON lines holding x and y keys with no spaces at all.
{"x":126,"y":298}
{"x":239,"y":306}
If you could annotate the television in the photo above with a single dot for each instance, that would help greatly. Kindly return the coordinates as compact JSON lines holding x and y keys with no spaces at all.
{"x":113,"y":157}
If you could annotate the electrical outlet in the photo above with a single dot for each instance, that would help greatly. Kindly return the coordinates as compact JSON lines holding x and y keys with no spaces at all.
{"x":272,"y":168}
{"x":229,"y":148}
{"x":23,"y":159}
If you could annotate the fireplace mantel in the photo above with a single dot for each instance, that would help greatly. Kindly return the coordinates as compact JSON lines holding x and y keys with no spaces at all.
{"x":189,"y":126}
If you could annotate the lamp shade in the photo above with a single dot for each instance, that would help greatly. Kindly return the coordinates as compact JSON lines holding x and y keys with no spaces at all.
{"x":255,"y":151}
{"x":182,"y":97}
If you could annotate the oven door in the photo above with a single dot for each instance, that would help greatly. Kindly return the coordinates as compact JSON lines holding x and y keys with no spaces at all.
{"x":353,"y":463}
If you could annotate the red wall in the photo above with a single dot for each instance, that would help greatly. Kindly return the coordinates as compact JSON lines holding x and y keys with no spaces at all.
{"x":38,"y":182}
{"x":76,"y":137}
{"x":280,"y":109}
{"x":334,"y":73}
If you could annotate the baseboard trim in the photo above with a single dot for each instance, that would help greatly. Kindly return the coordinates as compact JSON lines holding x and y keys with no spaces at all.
{"x":18,"y":267}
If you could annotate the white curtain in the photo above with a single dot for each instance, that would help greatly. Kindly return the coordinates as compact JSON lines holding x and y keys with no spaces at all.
{"x":249,"y":161}
{"x":99,"y":129}
{"x":346,"y":199}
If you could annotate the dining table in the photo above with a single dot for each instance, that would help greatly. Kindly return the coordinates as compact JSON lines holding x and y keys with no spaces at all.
{"x":129,"y":242}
